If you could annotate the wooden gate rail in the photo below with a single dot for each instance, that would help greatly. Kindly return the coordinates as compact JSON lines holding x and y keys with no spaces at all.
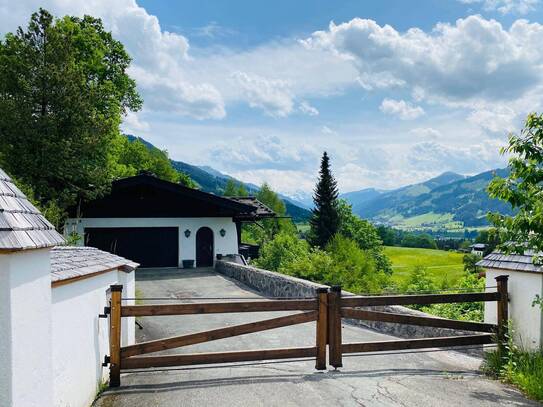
{"x":343,"y":307}
{"x":139,"y":362}
{"x":218,"y":307}
{"x":127,"y":357}
{"x":215,"y":334}
{"x":402,"y":344}
{"x":418,"y":299}
{"x":417,"y":320}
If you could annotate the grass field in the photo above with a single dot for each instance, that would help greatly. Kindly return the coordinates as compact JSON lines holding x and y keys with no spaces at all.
{"x":440,"y":264}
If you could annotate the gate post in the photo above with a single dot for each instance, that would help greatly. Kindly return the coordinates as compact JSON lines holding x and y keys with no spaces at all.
{"x":334,"y":326}
{"x":503,"y":309}
{"x":115,"y":336}
{"x":322,"y":328}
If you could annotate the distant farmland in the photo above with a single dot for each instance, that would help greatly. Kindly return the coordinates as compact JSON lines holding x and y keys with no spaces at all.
{"x":441,"y":265}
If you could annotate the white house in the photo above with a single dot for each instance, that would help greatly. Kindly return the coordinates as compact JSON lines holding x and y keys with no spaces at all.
{"x":162,"y":224}
{"x":52,"y":341}
{"x":478,"y":249}
{"x":525,"y":282}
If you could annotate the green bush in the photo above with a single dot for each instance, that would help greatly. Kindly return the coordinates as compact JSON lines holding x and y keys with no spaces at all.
{"x":521,"y":368}
{"x":342,"y":263}
{"x":281,"y":251}
{"x":466,"y":311}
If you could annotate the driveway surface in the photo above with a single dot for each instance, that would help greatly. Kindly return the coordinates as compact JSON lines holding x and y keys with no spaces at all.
{"x":443,"y":378}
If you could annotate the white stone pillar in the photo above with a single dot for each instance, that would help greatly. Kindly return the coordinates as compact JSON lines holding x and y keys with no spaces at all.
{"x":527,"y":320}
{"x":26,"y":378}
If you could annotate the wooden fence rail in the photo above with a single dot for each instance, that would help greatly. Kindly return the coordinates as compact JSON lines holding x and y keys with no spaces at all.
{"x":327,"y":309}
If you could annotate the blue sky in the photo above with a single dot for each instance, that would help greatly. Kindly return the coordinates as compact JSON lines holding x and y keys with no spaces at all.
{"x":396,"y":91}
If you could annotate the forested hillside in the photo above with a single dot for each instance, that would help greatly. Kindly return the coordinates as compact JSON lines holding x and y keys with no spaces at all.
{"x":447,"y":201}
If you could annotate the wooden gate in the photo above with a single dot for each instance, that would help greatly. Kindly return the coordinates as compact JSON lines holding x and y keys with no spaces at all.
{"x":129,"y":357}
{"x":327,"y":309}
{"x":339,"y":308}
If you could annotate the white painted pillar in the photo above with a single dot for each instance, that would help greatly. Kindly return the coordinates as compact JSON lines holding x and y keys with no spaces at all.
{"x":527,"y":320}
{"x":26,"y":378}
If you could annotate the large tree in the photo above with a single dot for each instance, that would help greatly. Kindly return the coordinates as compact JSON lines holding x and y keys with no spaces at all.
{"x":64,"y":88}
{"x":523,"y":189}
{"x":325,"y":218}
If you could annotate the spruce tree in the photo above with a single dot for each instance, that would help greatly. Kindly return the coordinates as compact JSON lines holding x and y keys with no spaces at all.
{"x":325,"y":218}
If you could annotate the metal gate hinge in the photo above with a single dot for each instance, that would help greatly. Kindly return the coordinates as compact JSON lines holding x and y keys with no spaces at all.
{"x":107,"y":311}
{"x":107,"y":360}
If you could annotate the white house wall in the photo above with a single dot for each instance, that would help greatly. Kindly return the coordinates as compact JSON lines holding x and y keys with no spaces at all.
{"x":25,"y":342}
{"x":527,"y":320}
{"x":187,"y":250}
{"x":81,"y":339}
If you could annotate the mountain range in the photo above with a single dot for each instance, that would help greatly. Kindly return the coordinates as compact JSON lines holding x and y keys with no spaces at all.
{"x":449,"y":201}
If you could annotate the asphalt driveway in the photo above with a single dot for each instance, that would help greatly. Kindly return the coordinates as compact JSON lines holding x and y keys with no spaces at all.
{"x":401,"y":379}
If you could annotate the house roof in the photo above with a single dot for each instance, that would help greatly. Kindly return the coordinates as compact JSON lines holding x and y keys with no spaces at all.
{"x":22,"y":226}
{"x":512,"y":262}
{"x":145,"y":196}
{"x":74,"y":262}
{"x":480,"y":246}
{"x":259,"y":210}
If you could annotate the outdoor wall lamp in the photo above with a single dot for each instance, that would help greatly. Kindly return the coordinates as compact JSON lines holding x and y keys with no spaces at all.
{"x":222,"y":232}
{"x":187,"y":233}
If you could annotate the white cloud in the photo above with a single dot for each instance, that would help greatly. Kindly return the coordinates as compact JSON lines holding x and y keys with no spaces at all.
{"x":328,"y":131}
{"x":497,"y":119}
{"x":133,"y":124}
{"x":506,"y":6}
{"x":307,"y":109}
{"x":473,"y":158}
{"x":401,"y":108}
{"x":273,"y":96}
{"x":427,"y":133}
{"x":472,"y":61}
{"x":297,"y":184}
{"x":264,"y":152}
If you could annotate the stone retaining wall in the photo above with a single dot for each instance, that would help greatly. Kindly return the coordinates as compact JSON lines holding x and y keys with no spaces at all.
{"x":267,"y":282}
{"x":279,"y":285}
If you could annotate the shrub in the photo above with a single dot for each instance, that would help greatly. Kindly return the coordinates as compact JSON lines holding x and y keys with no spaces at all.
{"x":281,"y":251}
{"x":467,"y":311}
{"x":521,"y":368}
{"x":353,"y":268}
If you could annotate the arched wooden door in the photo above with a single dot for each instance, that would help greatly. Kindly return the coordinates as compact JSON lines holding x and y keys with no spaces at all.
{"x":204,"y":247}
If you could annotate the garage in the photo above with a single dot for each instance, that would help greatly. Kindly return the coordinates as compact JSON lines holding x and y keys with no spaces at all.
{"x":148,"y":246}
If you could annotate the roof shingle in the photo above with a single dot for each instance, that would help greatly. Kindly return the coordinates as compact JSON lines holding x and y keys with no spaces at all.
{"x":516,"y":262}
{"x":22,"y":226}
{"x":69,"y":262}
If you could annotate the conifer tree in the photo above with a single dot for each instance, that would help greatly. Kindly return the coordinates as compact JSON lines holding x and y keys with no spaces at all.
{"x":325,"y":218}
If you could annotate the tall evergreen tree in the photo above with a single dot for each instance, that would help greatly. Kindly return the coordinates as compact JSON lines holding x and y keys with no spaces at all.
{"x":325,"y":218}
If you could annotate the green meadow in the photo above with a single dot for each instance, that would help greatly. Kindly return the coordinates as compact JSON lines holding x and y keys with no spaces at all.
{"x":441,"y":265}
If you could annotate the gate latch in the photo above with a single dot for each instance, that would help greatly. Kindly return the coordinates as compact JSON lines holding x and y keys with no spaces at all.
{"x":107,"y":311}
{"x":106,"y":361}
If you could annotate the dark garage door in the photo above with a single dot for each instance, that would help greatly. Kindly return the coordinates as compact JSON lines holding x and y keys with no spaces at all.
{"x":150,"y":247}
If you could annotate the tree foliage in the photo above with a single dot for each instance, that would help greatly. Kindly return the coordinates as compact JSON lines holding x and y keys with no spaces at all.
{"x":364,"y":234}
{"x":470,"y":263}
{"x":267,"y":229}
{"x":63,"y":90}
{"x":234,"y":188}
{"x":134,"y":156}
{"x":343,"y":263}
{"x":325,"y":218}
{"x":523,"y":189}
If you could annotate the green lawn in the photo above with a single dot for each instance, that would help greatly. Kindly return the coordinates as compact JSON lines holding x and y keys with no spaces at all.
{"x":440,"y":264}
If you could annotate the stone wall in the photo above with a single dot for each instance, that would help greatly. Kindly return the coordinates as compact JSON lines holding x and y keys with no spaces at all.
{"x":267,"y":282}
{"x":279,"y":285}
